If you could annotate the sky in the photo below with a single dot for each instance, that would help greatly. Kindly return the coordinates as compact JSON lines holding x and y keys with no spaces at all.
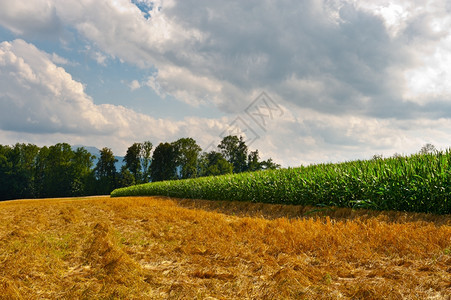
{"x":303,"y":82}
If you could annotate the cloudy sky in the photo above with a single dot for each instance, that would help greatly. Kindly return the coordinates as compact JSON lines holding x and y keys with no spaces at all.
{"x":305,"y":81}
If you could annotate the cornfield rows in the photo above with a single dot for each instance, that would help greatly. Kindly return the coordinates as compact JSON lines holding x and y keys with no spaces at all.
{"x":418,"y":183}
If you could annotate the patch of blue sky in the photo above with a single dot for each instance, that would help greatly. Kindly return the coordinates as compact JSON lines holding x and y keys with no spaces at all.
{"x":109,"y":83}
{"x":145,"y":6}
{"x":6,"y":35}
{"x":58,"y":43}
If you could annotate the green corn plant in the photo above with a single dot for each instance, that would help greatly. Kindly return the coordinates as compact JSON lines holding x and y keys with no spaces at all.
{"x":420,"y":183}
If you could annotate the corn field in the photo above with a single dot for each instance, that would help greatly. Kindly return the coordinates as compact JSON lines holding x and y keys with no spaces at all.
{"x":417,"y":183}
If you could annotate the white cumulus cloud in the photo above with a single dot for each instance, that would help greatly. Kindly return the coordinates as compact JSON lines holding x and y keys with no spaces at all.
{"x":39,"y":98}
{"x":355,"y":75}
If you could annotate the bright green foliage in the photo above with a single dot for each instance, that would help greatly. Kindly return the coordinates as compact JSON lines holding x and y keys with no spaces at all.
{"x":213,"y":164}
{"x":421,"y":183}
{"x":187,"y":155}
{"x":235,"y":151}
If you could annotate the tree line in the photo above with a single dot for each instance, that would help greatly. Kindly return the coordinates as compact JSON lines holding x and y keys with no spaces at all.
{"x":28,"y":171}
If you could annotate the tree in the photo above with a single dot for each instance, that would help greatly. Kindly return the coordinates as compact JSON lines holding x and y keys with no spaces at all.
{"x":57,"y":176}
{"x":82,"y":172}
{"x":252,"y":161}
{"x":164,"y":162}
{"x":106,"y":171}
{"x":138,"y":161}
{"x":62,"y":172}
{"x":40,"y":171}
{"x":6,"y":168}
{"x":187,"y":157}
{"x":26,"y":166}
{"x":22,"y":158}
{"x":234,"y":149}
{"x":146,"y":151}
{"x":17,"y":171}
{"x":377,"y":157}
{"x":27,"y":171}
{"x":213,"y":164}
{"x":397,"y":155}
{"x":269,"y":164}
{"x":133,"y":161}
{"x":428,"y":149}
{"x":126,"y":178}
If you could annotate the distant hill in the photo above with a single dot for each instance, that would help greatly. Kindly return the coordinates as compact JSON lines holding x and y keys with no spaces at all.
{"x":96,"y":152}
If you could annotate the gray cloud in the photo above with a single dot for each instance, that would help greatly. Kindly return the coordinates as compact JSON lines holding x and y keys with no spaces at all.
{"x":354,"y":77}
{"x":263,"y":46}
{"x":37,"y":20}
{"x":331,"y":56}
{"x":349,"y":64}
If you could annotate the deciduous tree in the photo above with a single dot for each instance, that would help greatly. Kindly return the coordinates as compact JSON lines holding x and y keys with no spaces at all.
{"x":187,"y":151}
{"x":269,"y":164}
{"x":253,"y":163}
{"x":234,"y":149}
{"x":427,"y":149}
{"x":213,"y":164}
{"x":105,"y":171}
{"x":164,"y":164}
{"x":133,"y":161}
{"x":81,"y":172}
{"x":146,"y":160}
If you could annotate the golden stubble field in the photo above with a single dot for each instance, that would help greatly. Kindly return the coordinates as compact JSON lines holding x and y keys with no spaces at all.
{"x":161,"y":248}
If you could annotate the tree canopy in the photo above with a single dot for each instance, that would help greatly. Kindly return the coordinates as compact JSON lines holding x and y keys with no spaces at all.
{"x":164,"y":162}
{"x":28,"y":171}
{"x":106,"y":171}
{"x":234,"y":149}
{"x":213,"y":164}
{"x":187,"y":157}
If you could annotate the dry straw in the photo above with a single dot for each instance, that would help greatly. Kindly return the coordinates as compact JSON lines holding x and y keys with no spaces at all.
{"x":159,"y":248}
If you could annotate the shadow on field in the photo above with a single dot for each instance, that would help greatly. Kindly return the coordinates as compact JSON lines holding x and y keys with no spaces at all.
{"x":274,"y":211}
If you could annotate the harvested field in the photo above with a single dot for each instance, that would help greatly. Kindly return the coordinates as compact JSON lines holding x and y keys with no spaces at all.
{"x":161,"y":248}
